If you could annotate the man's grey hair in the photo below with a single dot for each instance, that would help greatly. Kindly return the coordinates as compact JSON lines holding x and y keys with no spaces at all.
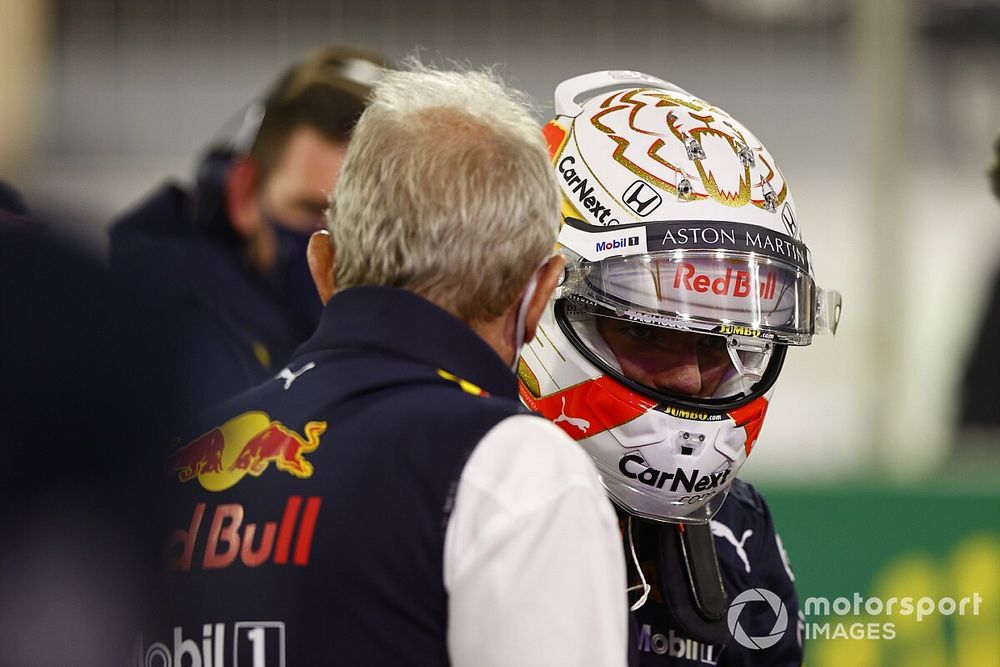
{"x":447,"y":191}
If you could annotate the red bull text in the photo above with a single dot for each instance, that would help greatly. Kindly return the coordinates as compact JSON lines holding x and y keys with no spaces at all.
{"x":230,"y":537}
{"x":738,"y":283}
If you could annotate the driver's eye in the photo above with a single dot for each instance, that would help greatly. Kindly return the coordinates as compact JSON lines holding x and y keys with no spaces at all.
{"x":639,"y":332}
{"x":712,"y":342}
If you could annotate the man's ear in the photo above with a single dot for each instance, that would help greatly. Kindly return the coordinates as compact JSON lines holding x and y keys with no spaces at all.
{"x":321,"y":256}
{"x":242,"y":184}
{"x":548,"y":277}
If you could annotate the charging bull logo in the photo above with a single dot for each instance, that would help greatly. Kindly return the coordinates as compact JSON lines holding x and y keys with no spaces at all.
{"x":680,"y":133}
{"x":245,"y":445}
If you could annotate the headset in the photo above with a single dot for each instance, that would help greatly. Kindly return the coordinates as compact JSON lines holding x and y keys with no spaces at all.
{"x":210,"y":215}
{"x":209,"y":207}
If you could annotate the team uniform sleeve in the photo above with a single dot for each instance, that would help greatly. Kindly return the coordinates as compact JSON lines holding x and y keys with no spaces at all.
{"x":774,"y":573}
{"x":533,"y":563}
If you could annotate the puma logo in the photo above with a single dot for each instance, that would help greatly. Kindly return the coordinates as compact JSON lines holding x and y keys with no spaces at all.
{"x":289,"y":377}
{"x":723,"y":531}
{"x":581,"y":424}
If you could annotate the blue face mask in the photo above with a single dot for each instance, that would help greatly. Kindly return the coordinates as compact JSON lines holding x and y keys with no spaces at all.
{"x":291,"y":283}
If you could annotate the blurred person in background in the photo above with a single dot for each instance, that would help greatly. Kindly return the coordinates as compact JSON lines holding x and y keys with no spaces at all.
{"x":13,"y":210}
{"x":686,"y":281}
{"x":229,"y":255}
{"x":86,"y":392}
{"x":980,"y":395}
{"x":413,"y":514}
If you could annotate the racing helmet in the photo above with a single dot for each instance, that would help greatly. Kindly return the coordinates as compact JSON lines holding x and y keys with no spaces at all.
{"x":686,"y":280}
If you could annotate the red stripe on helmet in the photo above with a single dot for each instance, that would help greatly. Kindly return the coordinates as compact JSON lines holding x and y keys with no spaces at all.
{"x":589,"y":408}
{"x":750,"y":416}
{"x":555,"y":137}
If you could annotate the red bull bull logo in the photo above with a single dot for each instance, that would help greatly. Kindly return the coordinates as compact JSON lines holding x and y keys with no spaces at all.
{"x":245,"y":445}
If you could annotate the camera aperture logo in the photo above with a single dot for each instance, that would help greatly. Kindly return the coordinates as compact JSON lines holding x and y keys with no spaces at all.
{"x":757,"y":595}
{"x":884,"y":611}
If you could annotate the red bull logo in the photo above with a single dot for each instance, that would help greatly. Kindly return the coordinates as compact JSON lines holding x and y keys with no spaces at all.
{"x":245,"y":445}
{"x":739,"y":284}
{"x":223,"y":536}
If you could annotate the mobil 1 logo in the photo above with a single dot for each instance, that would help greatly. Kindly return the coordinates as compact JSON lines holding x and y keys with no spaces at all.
{"x":642,"y":198}
{"x":259,"y":644}
{"x":240,"y":644}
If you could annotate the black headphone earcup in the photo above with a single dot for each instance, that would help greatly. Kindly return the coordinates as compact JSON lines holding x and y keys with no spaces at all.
{"x":209,"y":216}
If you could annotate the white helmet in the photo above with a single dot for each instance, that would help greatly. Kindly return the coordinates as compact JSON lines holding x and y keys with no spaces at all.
{"x":682,"y":245}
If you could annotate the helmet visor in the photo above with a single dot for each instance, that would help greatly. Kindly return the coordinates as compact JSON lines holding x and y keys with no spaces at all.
{"x":669,"y":363}
{"x":712,"y":291}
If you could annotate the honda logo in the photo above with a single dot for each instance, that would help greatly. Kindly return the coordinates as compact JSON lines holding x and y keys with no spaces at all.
{"x":642,"y":198}
{"x":789,"y":219}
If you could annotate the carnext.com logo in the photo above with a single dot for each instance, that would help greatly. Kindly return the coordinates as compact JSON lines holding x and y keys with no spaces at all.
{"x":615,"y":244}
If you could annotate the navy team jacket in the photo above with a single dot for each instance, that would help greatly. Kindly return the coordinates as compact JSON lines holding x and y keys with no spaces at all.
{"x":307,"y":515}
{"x":750,"y":556}
{"x":230,"y":330}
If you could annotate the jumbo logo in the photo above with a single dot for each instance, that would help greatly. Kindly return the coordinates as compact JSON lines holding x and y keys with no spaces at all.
{"x":245,"y":445}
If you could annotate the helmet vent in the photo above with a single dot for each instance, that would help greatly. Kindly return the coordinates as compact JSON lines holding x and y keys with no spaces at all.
{"x":694,"y":148}
{"x":685,"y":191}
{"x":746,"y":155}
{"x":689,"y":441}
{"x":770,"y":198}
